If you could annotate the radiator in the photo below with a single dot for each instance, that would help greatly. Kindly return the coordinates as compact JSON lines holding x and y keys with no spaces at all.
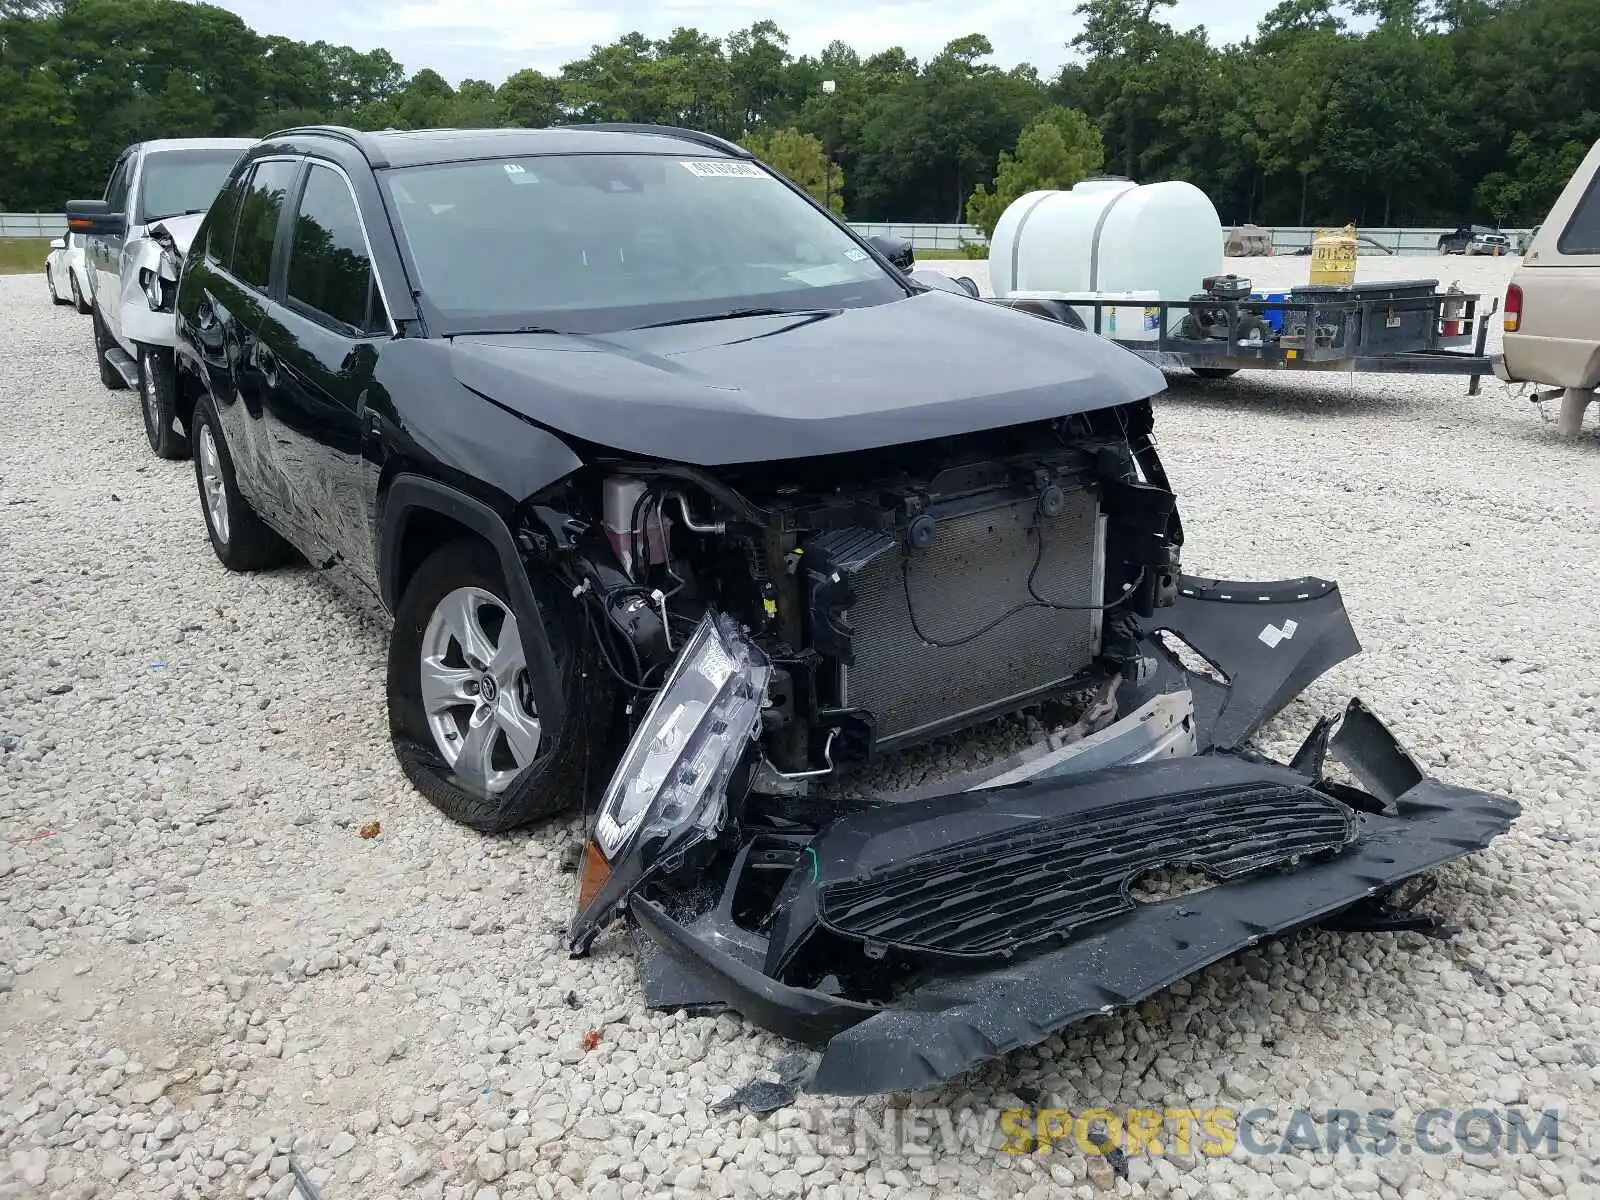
{"x":927,"y":650}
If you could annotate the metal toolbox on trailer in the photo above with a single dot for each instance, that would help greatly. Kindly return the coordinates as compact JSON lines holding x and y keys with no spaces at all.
{"x":1391,"y":317}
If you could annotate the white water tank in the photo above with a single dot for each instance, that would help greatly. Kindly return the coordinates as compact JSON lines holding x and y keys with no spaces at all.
{"x":1108,"y":235}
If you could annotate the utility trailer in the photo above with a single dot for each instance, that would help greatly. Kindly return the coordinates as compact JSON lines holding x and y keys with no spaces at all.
{"x":1398,"y":328}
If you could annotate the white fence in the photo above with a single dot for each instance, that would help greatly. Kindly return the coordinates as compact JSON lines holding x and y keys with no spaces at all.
{"x":32,"y":225}
{"x":923,"y":237}
{"x":1285,"y":239}
{"x":1288,"y":239}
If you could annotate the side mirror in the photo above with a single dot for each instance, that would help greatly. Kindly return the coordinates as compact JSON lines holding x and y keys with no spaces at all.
{"x":58,"y":243}
{"x":897,"y":250}
{"x":95,"y":216}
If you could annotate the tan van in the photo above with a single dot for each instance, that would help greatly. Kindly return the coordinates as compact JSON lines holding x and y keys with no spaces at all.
{"x":1552,"y":309}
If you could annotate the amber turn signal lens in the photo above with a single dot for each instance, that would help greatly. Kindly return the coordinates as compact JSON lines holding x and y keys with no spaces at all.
{"x":592,"y":875}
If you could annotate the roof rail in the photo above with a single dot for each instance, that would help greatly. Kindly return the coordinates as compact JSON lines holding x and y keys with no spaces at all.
{"x":709,"y":140}
{"x":344,"y":133}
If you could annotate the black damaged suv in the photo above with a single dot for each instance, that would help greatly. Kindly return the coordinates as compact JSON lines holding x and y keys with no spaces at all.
{"x":549,"y":394}
{"x":686,"y":499}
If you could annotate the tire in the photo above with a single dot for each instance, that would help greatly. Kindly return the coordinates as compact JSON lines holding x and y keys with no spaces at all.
{"x":50,"y":282}
{"x":517,"y":779}
{"x":78,"y":301}
{"x":158,"y":402}
{"x":109,"y":375}
{"x":241,"y":539}
{"x":1214,"y":372}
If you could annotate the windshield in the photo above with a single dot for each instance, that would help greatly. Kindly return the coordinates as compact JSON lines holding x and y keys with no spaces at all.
{"x":601,"y":242}
{"x":175,"y":182}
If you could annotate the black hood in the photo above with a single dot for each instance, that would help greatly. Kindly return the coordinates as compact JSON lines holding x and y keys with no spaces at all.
{"x":796,"y":385}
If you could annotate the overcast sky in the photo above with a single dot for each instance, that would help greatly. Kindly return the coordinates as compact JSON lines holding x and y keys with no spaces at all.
{"x":489,"y":39}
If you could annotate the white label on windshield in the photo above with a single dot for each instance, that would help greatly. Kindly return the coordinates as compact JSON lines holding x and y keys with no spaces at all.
{"x":855,"y":255}
{"x":725,"y":169}
{"x":520,"y":174}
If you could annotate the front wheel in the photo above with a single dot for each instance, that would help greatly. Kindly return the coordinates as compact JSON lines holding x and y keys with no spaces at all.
{"x":462,"y":714}
{"x":158,"y":400}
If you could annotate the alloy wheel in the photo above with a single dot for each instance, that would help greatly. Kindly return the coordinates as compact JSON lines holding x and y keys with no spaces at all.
{"x":147,"y":394}
{"x":214,"y":490}
{"x":475,"y":689}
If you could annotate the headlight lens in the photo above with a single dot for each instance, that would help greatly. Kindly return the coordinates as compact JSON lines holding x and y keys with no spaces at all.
{"x":159,"y":290}
{"x":670,"y":790}
{"x":677,"y":766}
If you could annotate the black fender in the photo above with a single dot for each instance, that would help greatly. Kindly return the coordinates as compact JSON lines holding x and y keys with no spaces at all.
{"x":407,"y":494}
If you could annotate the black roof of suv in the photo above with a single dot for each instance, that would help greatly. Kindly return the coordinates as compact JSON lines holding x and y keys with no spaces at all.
{"x":421,"y":147}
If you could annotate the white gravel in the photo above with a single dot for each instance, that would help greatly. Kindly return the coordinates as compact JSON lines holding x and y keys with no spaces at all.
{"x":204,"y":970}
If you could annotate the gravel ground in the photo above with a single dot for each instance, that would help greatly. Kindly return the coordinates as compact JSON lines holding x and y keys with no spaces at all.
{"x":205,"y":970}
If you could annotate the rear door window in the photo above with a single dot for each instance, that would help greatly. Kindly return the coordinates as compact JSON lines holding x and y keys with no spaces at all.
{"x":330,"y":272}
{"x":1582,"y":234}
{"x":259,"y":213}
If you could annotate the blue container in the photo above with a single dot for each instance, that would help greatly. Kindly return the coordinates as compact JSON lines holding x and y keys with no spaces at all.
{"x":1274,"y":314}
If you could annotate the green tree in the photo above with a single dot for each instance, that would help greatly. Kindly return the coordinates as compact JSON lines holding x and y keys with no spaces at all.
{"x":800,"y":158}
{"x":1056,"y":151}
{"x":531,"y":100}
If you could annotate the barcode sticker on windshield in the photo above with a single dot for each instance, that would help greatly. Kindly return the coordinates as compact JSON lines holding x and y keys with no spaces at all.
{"x":725,"y":169}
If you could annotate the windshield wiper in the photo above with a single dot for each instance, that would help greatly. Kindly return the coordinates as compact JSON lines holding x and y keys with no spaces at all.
{"x":188,"y":212}
{"x":735,"y":313}
{"x":517,"y":329}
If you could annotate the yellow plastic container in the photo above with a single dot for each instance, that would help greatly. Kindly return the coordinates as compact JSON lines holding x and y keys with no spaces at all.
{"x":1333,"y":256}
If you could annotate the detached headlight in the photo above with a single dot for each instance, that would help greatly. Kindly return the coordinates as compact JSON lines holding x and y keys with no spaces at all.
{"x":670,"y":790}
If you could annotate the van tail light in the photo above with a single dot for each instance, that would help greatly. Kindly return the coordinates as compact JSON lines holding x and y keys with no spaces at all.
{"x":1513,"y":309}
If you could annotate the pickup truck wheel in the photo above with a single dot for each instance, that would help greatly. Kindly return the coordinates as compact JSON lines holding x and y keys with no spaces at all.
{"x":241,"y":539}
{"x":158,"y":400}
{"x":102,"y":342}
{"x":462,"y":716}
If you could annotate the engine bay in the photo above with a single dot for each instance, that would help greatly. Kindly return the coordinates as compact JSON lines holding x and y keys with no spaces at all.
{"x":898,"y":594}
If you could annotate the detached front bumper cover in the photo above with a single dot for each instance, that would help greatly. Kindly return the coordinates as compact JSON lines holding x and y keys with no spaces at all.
{"x":957,"y":1020}
{"x":984,"y":919}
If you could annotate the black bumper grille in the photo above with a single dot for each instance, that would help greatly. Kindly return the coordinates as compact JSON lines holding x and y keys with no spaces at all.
{"x":927,"y":647}
{"x":996,"y":895}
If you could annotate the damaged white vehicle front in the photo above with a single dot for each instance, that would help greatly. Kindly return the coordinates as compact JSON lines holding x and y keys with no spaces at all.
{"x":135,"y":239}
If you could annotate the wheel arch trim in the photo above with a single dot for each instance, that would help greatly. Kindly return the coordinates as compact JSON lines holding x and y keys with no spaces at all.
{"x":408,"y":494}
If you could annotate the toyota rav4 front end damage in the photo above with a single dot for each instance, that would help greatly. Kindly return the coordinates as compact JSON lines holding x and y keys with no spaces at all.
{"x":917,"y":935}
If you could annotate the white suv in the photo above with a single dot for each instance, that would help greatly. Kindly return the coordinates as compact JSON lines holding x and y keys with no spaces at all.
{"x":134,"y":240}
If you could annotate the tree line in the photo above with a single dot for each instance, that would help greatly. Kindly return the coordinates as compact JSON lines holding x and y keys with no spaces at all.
{"x":1382,"y":112}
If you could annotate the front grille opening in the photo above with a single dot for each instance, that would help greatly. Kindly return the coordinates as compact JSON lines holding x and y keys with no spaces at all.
{"x":1167,"y":882}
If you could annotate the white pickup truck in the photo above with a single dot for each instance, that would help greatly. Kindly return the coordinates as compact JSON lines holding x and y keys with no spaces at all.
{"x":134,"y":240}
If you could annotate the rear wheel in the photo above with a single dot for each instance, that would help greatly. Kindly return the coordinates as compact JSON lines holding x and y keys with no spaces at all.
{"x":158,"y":400}
{"x":50,"y":282}
{"x":77,"y":297}
{"x":109,"y":375}
{"x":241,"y":539}
{"x":462,"y":714}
